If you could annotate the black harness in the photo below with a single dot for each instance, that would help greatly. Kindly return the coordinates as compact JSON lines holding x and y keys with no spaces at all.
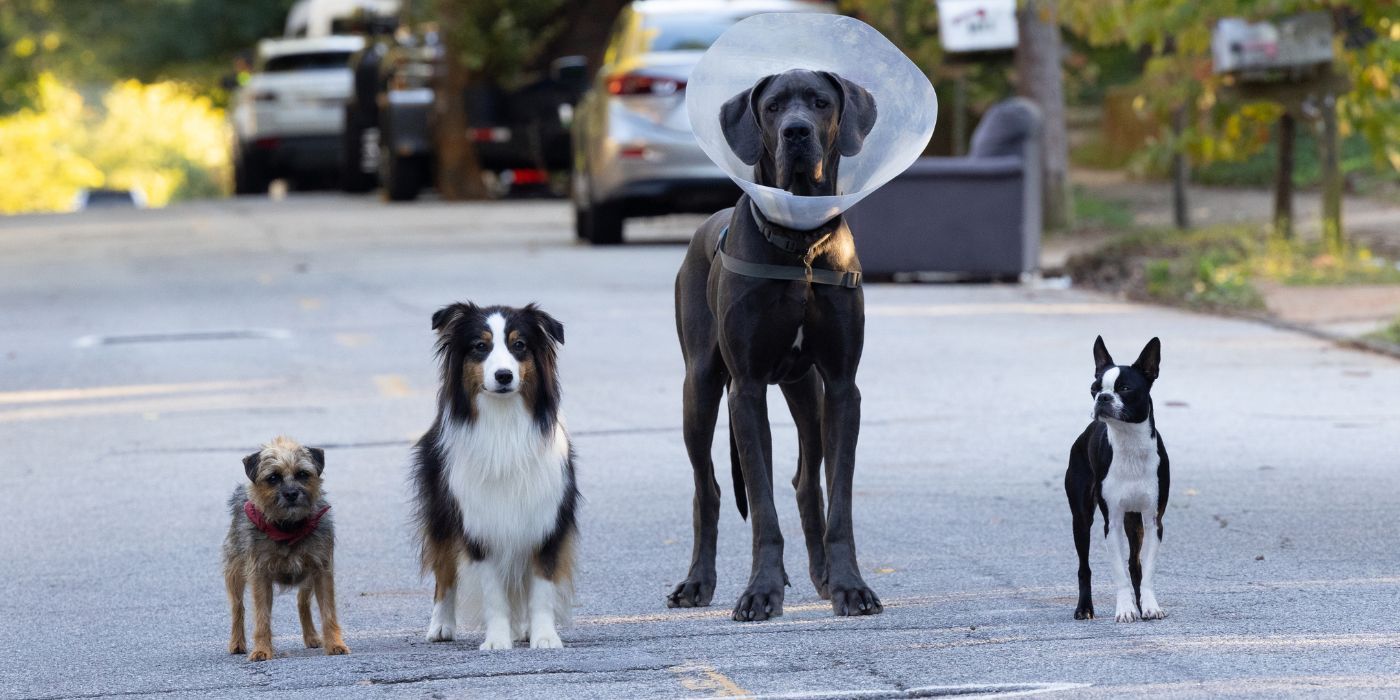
{"x":788,"y":273}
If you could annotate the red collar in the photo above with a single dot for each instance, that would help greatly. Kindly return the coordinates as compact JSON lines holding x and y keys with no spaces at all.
{"x":277,"y":534}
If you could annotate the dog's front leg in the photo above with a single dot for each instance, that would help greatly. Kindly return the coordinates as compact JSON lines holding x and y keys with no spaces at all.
{"x":236,"y":581}
{"x":262,"y":618}
{"x":1151,"y":610}
{"x":704,"y":388}
{"x":748,"y":418}
{"x":330,"y":623}
{"x":443,"y":625}
{"x":543,"y":635}
{"x":495,"y":605}
{"x":308,"y":626}
{"x":1117,"y":536}
{"x":840,"y":430}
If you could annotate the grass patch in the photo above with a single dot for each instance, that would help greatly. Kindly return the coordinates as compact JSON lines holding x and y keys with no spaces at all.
{"x":1215,"y":268}
{"x":1389,"y":334}
{"x":1093,"y":212}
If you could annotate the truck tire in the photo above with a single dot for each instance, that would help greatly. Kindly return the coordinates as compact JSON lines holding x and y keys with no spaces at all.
{"x":402,"y":176}
{"x":249,"y":173}
{"x":353,"y":178}
{"x":605,"y":223}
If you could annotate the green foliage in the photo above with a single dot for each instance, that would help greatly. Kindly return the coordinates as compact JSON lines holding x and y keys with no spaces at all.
{"x":159,"y":138}
{"x":498,"y":38}
{"x":1259,"y":169}
{"x":1177,"y":33}
{"x":86,"y":41}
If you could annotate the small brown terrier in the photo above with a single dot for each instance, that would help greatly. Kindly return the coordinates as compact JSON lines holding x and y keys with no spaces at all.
{"x":281,"y":535}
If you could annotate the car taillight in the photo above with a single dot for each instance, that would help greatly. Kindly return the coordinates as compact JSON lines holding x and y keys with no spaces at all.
{"x":497,"y":134}
{"x":638,"y":84}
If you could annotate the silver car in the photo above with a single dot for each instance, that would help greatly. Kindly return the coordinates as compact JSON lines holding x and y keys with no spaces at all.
{"x":634,"y":153}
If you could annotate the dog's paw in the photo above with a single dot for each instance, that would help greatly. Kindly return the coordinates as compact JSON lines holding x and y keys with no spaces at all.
{"x":548,"y":639}
{"x":238,"y":647}
{"x":1127,"y":607}
{"x":312,"y":641}
{"x":1151,"y":610}
{"x":1084,"y":612}
{"x":260,"y":655}
{"x":496,"y":641}
{"x":691,"y":593}
{"x":337,"y":649}
{"x":855,"y":600}
{"x":760,"y":602}
{"x":439,"y":631}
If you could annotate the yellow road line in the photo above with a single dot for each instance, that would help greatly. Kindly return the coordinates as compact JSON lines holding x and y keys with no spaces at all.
{"x":392,"y":386}
{"x":708,"y":679}
{"x":129,"y":391}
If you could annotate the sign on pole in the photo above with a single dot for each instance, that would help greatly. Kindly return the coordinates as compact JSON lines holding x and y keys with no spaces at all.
{"x":977,"y":25}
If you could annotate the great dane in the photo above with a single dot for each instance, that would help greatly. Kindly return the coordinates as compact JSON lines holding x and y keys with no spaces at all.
{"x":760,"y":304}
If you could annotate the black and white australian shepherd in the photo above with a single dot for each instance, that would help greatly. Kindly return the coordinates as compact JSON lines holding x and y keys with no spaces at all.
{"x":495,"y":479}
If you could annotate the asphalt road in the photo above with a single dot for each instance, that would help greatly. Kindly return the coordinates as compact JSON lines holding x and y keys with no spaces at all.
{"x":143,"y":353}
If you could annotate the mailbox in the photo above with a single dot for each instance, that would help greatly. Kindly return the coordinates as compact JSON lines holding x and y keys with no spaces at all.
{"x":1282,"y":49}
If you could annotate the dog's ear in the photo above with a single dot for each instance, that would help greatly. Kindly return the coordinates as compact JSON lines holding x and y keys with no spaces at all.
{"x":738,"y":118}
{"x":1102,"y":360}
{"x":250,"y":465}
{"x":551,"y":327}
{"x":858,"y":114}
{"x":1150,"y":360}
{"x":318,"y":457}
{"x":447,"y":314}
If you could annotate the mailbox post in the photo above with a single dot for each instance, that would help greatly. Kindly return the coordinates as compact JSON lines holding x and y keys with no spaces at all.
{"x":972,"y":30}
{"x":1290,"y":61}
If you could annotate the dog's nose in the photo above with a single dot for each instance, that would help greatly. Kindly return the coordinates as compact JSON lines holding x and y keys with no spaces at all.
{"x":291,"y":496}
{"x":503,"y":376}
{"x":797,"y":132}
{"x":1105,"y":397}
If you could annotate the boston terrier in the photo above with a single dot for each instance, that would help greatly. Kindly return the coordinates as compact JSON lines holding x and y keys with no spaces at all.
{"x":1119,"y":463}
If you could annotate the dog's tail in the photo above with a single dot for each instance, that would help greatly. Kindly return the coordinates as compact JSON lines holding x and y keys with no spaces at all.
{"x":741,"y":497}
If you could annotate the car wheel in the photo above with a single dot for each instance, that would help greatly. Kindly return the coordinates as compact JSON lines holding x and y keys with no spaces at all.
{"x":605,"y":223}
{"x":401,"y":176}
{"x":249,"y":174}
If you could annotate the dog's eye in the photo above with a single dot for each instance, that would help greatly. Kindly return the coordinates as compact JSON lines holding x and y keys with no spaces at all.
{"x":821,"y":104}
{"x":273,"y":478}
{"x":519,"y":345}
{"x":1126,"y":390}
{"x":303,"y":475}
{"x":772,"y":107}
{"x":479,"y":346}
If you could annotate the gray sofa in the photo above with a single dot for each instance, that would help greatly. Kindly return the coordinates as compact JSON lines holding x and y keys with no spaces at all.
{"x":975,"y":218}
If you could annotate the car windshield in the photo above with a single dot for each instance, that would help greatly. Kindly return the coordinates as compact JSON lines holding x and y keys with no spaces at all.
{"x":686,"y":32}
{"x":320,"y":60}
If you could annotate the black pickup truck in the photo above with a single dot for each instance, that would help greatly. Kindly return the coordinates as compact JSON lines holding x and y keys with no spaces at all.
{"x":521,"y":134}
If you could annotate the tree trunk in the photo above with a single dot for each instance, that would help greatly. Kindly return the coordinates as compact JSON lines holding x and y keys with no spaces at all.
{"x":458,"y":170}
{"x":1181,"y":173}
{"x":1039,"y":78}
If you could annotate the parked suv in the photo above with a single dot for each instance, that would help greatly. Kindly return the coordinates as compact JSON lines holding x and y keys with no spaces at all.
{"x":634,"y":153}
{"x":287,"y":119}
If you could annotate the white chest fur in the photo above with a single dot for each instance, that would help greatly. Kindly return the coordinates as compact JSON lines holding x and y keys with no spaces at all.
{"x":1131,"y":484}
{"x":507,"y":477}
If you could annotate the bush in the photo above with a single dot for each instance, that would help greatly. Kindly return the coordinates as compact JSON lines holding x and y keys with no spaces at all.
{"x":159,"y":138}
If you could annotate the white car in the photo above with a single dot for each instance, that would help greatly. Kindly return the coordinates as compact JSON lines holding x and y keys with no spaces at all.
{"x":634,"y":153}
{"x":288,"y":117}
